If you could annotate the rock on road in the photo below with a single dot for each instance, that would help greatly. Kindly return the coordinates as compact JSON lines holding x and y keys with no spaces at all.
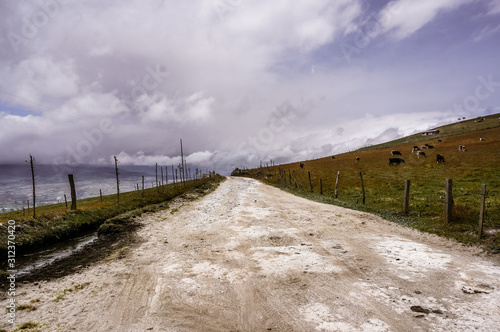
{"x":249,"y":257}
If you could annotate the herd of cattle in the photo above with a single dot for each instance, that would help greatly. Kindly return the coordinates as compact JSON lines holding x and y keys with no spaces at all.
{"x":419,"y":153}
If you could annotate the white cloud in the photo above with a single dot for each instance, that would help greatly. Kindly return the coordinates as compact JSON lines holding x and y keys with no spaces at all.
{"x":402,"y":18}
{"x":494,"y":7}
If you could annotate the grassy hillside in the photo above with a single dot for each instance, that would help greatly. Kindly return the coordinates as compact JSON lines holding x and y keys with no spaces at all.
{"x":384,"y":184}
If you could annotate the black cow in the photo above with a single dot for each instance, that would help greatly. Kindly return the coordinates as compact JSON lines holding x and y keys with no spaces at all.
{"x":396,"y":161}
{"x":415,"y":148}
{"x":439,"y":158}
{"x":301,"y":165}
{"x":420,"y":153}
{"x":357,"y":159}
{"x":396,"y":153}
{"x":430,"y":146}
{"x":333,"y":157}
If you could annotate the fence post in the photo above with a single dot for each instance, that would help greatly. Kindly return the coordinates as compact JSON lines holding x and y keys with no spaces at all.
{"x":66,"y":201}
{"x":295,"y":179}
{"x":448,"y":201}
{"x":320,"y":186}
{"x":337,"y":185}
{"x":406,"y":201}
{"x":100,"y":194}
{"x":481,"y":210}
{"x":362,"y":186}
{"x":73,"y":191}
{"x":310,"y":182}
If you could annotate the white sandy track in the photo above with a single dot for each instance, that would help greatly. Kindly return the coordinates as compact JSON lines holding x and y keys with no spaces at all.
{"x":249,"y":257}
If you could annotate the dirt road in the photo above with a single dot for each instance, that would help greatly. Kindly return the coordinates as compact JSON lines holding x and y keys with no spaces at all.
{"x":249,"y":257}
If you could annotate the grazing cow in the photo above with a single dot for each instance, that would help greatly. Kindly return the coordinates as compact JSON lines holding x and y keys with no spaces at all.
{"x":301,"y":165}
{"x":415,"y":148}
{"x":333,"y":157}
{"x":396,"y":161}
{"x":357,"y":159}
{"x":423,"y":147}
{"x":439,"y":158}
{"x":482,"y":139}
{"x":440,"y":140}
{"x":396,"y":153}
{"x":461,"y":148}
{"x":420,"y":153}
{"x":430,"y":146}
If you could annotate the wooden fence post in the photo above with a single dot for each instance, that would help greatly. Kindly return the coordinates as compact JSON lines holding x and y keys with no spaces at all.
{"x":362,"y":186}
{"x":310,"y":182}
{"x":117,"y":182}
{"x":295,"y":179}
{"x":73,"y":191}
{"x":66,"y":201}
{"x":100,"y":194}
{"x":481,"y":210}
{"x":406,"y":201}
{"x":448,"y":201}
{"x":320,"y":186}
{"x":337,"y":185}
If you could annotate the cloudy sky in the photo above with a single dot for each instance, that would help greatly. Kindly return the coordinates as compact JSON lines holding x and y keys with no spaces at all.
{"x":238,"y":80}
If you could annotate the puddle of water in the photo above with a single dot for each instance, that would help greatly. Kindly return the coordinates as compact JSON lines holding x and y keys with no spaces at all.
{"x":45,"y":256}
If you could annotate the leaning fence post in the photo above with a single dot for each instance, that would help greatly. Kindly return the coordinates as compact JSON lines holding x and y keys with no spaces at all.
{"x":310,"y":182}
{"x":73,"y":191}
{"x":337,"y":185}
{"x":100,"y":194}
{"x":362,"y":186}
{"x":481,"y":210}
{"x":406,"y":201}
{"x":448,"y":201}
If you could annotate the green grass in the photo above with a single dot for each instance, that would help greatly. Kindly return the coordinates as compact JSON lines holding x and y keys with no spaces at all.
{"x":61,"y":295}
{"x":55,"y":222}
{"x":384,"y":184}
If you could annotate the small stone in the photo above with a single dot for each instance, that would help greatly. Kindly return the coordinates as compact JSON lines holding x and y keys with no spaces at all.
{"x":417,"y":308}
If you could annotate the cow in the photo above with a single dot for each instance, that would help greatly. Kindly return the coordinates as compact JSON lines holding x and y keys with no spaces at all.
{"x":301,"y":165}
{"x":333,"y":157}
{"x":420,"y":153}
{"x":423,"y":147}
{"x":482,"y":139}
{"x":439,"y":158}
{"x":430,"y":146}
{"x":396,"y":161}
{"x":357,"y":159}
{"x":440,"y":140}
{"x":415,"y":149}
{"x":395,"y":153}
{"x":461,"y":148}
